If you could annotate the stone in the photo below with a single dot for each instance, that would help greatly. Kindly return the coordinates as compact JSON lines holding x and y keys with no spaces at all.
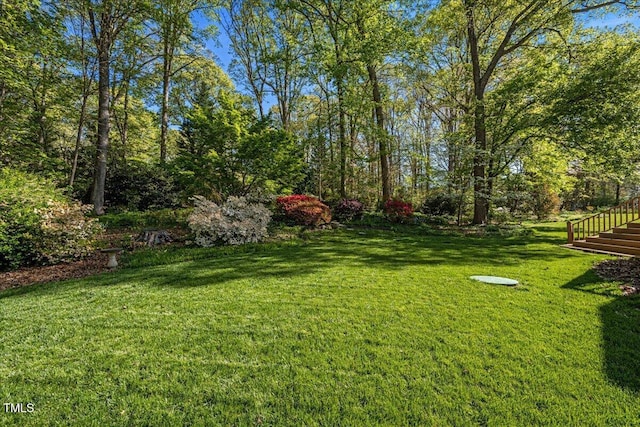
{"x":112,"y":252}
{"x":154,"y":237}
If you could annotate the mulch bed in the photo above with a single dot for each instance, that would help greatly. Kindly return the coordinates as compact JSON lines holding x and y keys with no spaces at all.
{"x":94,"y":264}
{"x":626,"y":270}
{"x":89,"y":266}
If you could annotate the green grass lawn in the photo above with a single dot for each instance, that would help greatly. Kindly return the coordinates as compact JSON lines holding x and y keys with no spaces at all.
{"x":350,"y":328}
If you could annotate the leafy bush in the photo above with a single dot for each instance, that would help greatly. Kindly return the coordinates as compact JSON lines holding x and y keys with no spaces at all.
{"x":140,"y":186}
{"x":226,"y":150}
{"x":235,"y":222}
{"x":162,"y":218}
{"x":304,"y":210}
{"x":348,"y":209}
{"x":67,"y":233}
{"x":398,"y":210}
{"x":38,"y":224}
{"x":439,"y":204}
{"x":544,"y":202}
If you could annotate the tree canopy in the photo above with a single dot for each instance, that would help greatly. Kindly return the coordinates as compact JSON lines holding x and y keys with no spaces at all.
{"x":494,"y":104}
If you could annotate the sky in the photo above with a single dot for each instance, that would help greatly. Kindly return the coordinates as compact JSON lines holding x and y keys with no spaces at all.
{"x":221,"y":48}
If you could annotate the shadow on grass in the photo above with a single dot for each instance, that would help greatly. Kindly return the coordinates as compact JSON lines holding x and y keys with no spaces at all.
{"x":390,"y":250}
{"x":621,"y":341}
{"x":620,"y":320}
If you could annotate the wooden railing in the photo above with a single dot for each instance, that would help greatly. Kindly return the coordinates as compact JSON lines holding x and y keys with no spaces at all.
{"x":622,"y":214}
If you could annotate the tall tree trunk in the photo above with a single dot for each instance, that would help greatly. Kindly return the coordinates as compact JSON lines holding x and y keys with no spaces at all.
{"x":383,"y":146}
{"x":480,"y":196}
{"x":167,"y":56}
{"x":124,"y":131}
{"x":76,"y":151}
{"x":342,"y":138}
{"x":102,"y":146}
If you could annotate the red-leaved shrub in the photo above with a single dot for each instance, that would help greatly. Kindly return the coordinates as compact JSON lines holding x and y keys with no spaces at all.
{"x":398,"y":210}
{"x":304,"y":210}
{"x":348,"y":209}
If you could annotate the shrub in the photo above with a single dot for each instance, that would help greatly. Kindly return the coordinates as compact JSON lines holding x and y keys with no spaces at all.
{"x":67,"y":233}
{"x":235,"y":222}
{"x":544,"y":202}
{"x":38,"y":224}
{"x":162,"y":218}
{"x":439,"y":204}
{"x":348,"y":209}
{"x":398,"y":210}
{"x":304,"y":210}
{"x":139,"y":186}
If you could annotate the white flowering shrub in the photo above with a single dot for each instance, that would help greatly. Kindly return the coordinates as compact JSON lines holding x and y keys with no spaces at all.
{"x":39,"y":224}
{"x":66,"y":232}
{"x":235,"y":222}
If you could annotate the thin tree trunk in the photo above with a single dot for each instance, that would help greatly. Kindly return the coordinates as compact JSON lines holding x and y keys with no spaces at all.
{"x":342,"y":139}
{"x":124,"y":133}
{"x":166,"y":77}
{"x":481,"y":202}
{"x":76,"y":151}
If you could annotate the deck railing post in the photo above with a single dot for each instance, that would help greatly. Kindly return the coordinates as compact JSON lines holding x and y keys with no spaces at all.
{"x":569,"y":232}
{"x":601,"y":222}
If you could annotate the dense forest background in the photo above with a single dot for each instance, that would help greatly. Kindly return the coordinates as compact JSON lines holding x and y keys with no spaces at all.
{"x":475,"y":108}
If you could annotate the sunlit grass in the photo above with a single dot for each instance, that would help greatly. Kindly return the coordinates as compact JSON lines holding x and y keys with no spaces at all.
{"x":358,"y":327}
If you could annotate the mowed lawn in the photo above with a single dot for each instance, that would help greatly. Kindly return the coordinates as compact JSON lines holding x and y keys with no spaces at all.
{"x":351,"y":328}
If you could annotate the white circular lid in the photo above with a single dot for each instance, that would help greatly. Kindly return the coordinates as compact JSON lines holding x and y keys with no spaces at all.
{"x":495,"y":280}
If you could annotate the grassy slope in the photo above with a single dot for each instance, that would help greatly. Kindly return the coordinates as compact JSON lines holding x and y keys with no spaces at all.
{"x":349,"y":328}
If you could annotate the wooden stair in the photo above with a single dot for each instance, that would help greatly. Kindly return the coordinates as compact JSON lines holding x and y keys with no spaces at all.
{"x":614,"y":231}
{"x":618,"y":241}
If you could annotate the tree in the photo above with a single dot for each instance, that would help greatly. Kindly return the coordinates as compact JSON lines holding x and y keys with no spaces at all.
{"x":30,"y":75}
{"x":593,"y":109}
{"x":83,"y":60}
{"x":496,"y":31}
{"x":376,"y":30}
{"x":268,"y":39}
{"x":227,"y":151}
{"x":107,"y":19}
{"x":175,"y":31}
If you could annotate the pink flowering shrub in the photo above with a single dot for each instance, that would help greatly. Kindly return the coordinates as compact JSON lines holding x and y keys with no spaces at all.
{"x":398,"y":210}
{"x":235,"y":222}
{"x":304,"y":210}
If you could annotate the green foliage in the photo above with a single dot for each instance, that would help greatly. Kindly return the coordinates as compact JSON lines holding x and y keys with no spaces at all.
{"x":142,"y":186}
{"x":162,"y":218}
{"x":226,"y":151}
{"x":38,"y":224}
{"x":544,"y":201}
{"x":439,"y":204}
{"x":21,"y":195}
{"x":595,"y":104}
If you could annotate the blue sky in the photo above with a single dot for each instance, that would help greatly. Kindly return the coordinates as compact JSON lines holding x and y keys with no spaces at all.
{"x":222,"y":51}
